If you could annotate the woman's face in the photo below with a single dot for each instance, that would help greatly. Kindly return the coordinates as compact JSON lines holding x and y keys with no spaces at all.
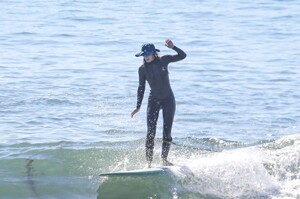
{"x":149,"y":58}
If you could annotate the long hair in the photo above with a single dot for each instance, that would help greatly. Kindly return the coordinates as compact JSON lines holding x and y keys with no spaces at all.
{"x":156,"y":58}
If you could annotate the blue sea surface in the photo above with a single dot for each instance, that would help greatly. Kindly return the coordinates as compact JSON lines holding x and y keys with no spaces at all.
{"x":68,"y":83}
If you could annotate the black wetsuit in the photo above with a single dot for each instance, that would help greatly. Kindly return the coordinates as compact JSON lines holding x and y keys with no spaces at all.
{"x":161,"y":97}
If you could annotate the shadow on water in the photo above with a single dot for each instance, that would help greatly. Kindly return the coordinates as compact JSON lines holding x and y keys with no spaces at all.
{"x":30,"y":181}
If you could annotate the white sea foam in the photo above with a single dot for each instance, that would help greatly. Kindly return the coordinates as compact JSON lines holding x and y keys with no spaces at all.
{"x":250,"y":172}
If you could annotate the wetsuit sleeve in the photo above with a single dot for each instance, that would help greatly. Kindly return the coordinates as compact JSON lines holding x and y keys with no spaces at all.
{"x":174,"y":58}
{"x":141,"y":88}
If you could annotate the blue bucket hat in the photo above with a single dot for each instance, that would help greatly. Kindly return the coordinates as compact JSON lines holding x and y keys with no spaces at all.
{"x":147,"y":49}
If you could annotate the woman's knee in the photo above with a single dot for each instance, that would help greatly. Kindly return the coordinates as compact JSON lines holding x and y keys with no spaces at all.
{"x":150,"y":143}
{"x":167,"y":138}
{"x":151,"y":136}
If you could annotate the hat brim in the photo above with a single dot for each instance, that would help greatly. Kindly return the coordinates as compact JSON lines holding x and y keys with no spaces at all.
{"x":146,"y":53}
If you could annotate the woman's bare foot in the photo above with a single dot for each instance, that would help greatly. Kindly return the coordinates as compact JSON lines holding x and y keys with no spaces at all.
{"x":165,"y":162}
{"x":148,"y":165}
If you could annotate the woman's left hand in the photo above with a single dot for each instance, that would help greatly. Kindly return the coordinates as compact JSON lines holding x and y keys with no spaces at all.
{"x":169,"y":43}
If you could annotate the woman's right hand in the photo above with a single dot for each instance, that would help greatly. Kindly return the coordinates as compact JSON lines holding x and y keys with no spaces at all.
{"x":134,"y":112}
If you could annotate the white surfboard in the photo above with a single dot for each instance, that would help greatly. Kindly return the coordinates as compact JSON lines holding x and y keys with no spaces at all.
{"x":139,"y":172}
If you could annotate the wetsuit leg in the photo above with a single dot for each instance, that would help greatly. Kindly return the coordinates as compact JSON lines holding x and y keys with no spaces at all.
{"x":168,"y":107}
{"x":152,"y":116}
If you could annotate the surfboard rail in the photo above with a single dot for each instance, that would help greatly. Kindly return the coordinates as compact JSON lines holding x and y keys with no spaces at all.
{"x":138,"y":172}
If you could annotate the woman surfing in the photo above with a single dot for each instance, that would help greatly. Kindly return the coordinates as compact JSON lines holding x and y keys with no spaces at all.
{"x":155,"y":70}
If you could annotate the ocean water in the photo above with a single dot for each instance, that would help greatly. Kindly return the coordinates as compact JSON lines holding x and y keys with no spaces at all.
{"x":68,"y":82}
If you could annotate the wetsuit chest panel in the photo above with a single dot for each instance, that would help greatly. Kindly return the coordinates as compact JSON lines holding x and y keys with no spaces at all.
{"x":157,"y":76}
{"x":156,"y":72}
